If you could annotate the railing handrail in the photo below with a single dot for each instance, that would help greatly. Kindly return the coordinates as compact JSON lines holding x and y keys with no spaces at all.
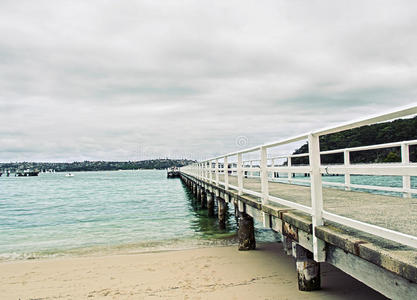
{"x":339,"y":150}
{"x":401,"y":112}
{"x":350,"y":149}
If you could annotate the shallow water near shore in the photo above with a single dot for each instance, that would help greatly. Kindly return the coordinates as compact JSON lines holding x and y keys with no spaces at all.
{"x":103,"y":212}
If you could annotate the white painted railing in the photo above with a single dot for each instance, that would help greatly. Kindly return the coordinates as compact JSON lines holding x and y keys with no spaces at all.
{"x":262,"y":168}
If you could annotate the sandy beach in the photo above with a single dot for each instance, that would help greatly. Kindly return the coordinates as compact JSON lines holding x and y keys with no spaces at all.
{"x":207,"y":273}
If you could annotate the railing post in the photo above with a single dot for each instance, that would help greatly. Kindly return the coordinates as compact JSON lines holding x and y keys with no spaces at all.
{"x":405,"y":159}
{"x":264,"y":185}
{"x":289,"y":171}
{"x":210,"y":172}
{"x":346,"y":158}
{"x":226,"y":173}
{"x":239,"y":175}
{"x":316,"y":195}
{"x":216,"y":169}
{"x":264,"y":175}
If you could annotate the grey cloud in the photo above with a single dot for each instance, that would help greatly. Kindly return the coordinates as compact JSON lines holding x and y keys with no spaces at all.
{"x":130,"y":79}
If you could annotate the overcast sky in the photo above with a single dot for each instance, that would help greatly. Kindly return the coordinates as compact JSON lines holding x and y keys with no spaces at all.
{"x":129,"y":80}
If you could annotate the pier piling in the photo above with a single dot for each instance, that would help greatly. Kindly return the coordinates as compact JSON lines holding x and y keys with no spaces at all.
{"x":222,"y":212}
{"x":236,"y":212}
{"x":308,"y":270}
{"x":203,"y":198}
{"x":199,"y":191}
{"x":246,"y":232}
{"x":210,"y":204}
{"x":287,"y":245}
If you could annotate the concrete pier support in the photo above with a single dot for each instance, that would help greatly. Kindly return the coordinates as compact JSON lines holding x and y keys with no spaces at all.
{"x":246,"y":232}
{"x":287,"y":245}
{"x":308,"y":270}
{"x":203,"y":198}
{"x":199,"y":191}
{"x":236,"y":215}
{"x":210,"y":204}
{"x":222,"y":212}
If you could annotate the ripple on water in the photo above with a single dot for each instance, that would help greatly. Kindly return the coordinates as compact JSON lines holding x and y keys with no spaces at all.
{"x":101,"y":212}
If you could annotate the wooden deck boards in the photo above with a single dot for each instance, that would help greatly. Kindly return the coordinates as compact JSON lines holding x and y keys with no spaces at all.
{"x":391,"y":212}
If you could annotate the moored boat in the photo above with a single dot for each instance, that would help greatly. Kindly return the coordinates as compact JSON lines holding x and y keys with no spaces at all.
{"x":173,"y":172}
{"x":27,"y":172}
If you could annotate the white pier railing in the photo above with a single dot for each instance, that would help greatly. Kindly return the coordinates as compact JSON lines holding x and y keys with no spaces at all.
{"x":264,"y":167}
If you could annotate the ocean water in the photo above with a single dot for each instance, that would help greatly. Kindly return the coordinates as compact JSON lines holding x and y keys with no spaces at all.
{"x":103,"y":212}
{"x":385,"y":181}
{"x":372,"y":180}
{"x":119,"y":211}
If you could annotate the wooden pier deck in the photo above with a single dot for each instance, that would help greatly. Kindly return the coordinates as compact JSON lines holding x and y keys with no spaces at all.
{"x":395,"y":213}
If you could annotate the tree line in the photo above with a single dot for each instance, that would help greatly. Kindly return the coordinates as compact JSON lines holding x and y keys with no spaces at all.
{"x":387,"y":132}
{"x":98,"y":165}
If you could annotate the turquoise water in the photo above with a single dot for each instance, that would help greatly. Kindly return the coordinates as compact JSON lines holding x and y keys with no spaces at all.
{"x":384,"y":181}
{"x":95,"y":212}
{"x":107,"y":212}
{"x":53,"y":213}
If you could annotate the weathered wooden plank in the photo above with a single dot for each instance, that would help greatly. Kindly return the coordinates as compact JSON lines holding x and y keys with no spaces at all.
{"x":385,"y":282}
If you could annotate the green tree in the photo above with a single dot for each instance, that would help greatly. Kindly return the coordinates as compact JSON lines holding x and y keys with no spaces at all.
{"x":392,"y":157}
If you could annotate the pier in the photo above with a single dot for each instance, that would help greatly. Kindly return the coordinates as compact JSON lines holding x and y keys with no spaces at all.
{"x":370,"y":236}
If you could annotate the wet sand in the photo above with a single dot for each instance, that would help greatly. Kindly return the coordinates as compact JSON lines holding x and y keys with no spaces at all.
{"x":207,"y":273}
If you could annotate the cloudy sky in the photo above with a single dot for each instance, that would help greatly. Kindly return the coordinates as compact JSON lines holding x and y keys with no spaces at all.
{"x":128,"y":80}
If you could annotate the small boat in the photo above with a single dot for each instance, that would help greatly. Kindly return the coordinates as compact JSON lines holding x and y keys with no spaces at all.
{"x":27,"y":172}
{"x":69,"y":175}
{"x":173,"y":172}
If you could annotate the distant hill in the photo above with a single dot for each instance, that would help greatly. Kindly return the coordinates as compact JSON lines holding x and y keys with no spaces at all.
{"x":395,"y":131}
{"x":98,"y":165}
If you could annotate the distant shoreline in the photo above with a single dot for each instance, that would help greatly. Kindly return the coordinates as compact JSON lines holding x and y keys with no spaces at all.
{"x":159,"y":164}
